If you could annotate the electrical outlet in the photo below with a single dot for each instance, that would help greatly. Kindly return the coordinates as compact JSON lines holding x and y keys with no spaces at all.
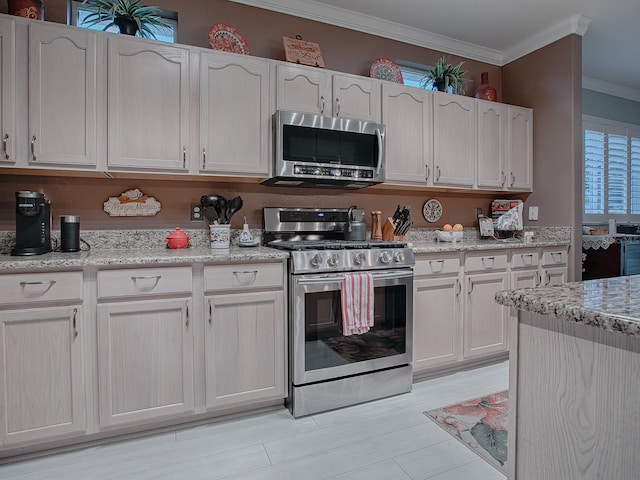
{"x":479,"y":212}
{"x":533,"y":213}
{"x":196,"y":212}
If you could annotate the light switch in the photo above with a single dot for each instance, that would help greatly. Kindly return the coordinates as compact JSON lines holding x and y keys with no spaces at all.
{"x":533,"y":213}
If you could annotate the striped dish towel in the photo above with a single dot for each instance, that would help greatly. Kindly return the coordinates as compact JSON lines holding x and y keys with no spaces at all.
{"x":357,"y":303}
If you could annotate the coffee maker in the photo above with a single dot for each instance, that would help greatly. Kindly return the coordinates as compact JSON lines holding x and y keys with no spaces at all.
{"x":33,"y":224}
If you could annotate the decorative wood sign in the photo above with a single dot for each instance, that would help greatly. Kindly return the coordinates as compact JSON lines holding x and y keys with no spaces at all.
{"x":299,"y":51}
{"x":132,"y":203}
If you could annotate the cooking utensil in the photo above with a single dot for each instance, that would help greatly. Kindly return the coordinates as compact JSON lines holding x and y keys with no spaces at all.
{"x":232,"y":207}
{"x":216,"y":202}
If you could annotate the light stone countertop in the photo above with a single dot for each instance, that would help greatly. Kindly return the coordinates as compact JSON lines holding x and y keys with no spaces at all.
{"x":148,"y":247}
{"x":610,"y":304}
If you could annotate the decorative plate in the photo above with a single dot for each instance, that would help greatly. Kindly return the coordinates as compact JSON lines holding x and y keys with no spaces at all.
{"x":432,"y":210}
{"x":386,"y":69}
{"x":228,"y":39}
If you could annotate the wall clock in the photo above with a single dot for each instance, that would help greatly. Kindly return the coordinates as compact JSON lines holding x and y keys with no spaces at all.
{"x":432,"y":210}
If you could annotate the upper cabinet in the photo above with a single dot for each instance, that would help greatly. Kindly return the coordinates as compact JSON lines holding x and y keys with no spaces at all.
{"x":62,"y":96}
{"x":454,"y":140}
{"x":406,"y":113}
{"x":520,"y":148}
{"x":234,"y":104}
{"x":148,"y":105}
{"x":308,"y":89}
{"x":491,"y":131}
{"x":7,"y":91}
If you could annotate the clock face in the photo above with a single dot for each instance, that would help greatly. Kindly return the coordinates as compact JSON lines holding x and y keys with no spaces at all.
{"x":432,"y":210}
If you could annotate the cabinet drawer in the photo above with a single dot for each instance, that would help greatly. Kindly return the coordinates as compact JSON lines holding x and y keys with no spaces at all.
{"x":485,"y":262}
{"x":525,"y":259}
{"x":144,"y":281}
{"x":243,"y":276}
{"x":40,"y":287}
{"x":437,"y":266}
{"x":554,"y":257}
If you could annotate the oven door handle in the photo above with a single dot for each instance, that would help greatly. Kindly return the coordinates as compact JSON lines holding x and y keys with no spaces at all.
{"x":339,"y":277}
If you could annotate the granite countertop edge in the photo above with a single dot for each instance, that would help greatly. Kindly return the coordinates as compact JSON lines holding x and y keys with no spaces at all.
{"x":608,"y":304}
{"x":199,"y":254}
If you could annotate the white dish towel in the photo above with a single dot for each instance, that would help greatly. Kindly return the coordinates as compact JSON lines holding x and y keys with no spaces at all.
{"x":357,"y":303}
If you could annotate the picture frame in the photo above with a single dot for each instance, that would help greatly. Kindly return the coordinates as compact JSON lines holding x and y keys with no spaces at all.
{"x":302,"y":52}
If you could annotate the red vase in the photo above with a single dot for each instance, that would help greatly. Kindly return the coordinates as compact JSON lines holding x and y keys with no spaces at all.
{"x":486,"y":91}
{"x":27,"y":8}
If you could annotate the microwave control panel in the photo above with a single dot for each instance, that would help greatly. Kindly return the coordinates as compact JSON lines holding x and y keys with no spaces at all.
{"x":332,"y":171}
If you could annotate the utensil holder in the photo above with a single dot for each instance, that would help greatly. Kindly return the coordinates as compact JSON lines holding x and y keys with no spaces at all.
{"x":387,"y":230}
{"x":220,"y":236}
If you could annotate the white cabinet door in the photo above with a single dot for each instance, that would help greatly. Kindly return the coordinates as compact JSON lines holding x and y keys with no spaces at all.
{"x":554,"y":276}
{"x":485,"y":322}
{"x":7,"y":91}
{"x":303,"y":89}
{"x":145,"y":360}
{"x":491,"y":145}
{"x":407,"y":115}
{"x":148,"y":106}
{"x":454,"y":140}
{"x":520,"y":148}
{"x":42,"y":374}
{"x":235,"y":119}
{"x":244,"y":348}
{"x":62,"y":96}
{"x":437,"y":329}
{"x":307,"y":89}
{"x":356,"y":97}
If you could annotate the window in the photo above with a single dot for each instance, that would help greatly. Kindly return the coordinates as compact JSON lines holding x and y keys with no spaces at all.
{"x":413,"y":73}
{"x":79,"y":12}
{"x":611,"y":170}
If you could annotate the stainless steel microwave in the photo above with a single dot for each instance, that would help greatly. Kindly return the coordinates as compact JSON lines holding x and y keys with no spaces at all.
{"x":313,"y":150}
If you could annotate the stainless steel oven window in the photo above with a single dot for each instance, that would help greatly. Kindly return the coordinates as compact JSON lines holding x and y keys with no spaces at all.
{"x":321,"y":352}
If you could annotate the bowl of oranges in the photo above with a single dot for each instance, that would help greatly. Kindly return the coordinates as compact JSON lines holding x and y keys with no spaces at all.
{"x":450,"y":233}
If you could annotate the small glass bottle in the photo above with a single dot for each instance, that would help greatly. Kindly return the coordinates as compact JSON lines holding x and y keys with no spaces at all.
{"x":486,"y":91}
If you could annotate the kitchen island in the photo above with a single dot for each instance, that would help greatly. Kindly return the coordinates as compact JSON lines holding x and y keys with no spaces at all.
{"x":575,"y":380}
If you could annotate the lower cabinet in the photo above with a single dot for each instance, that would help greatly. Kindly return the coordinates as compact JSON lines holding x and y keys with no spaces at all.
{"x":437,"y":312}
{"x":244,"y":348}
{"x":145,"y":360}
{"x":43,"y":387}
{"x":485,"y":322}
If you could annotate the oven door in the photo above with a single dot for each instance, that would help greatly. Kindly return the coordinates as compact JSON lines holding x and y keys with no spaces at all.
{"x":319,"y":349}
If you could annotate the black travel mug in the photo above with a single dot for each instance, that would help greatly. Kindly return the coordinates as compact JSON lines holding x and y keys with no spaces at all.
{"x":69,"y":233}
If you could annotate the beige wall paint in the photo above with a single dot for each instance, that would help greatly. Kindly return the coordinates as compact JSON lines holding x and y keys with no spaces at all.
{"x":549,"y":81}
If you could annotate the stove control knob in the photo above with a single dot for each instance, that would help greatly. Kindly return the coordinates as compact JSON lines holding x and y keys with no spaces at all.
{"x":334,"y":260}
{"x":399,"y":257}
{"x":385,"y":257}
{"x":359,"y":258}
{"x":316,"y":260}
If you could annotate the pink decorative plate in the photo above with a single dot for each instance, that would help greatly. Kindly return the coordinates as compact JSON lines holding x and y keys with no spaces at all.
{"x":226,"y":38}
{"x":386,"y":69}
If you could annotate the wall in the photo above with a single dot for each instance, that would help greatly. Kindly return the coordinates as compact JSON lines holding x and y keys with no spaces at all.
{"x":603,"y":105}
{"x":549,"y":80}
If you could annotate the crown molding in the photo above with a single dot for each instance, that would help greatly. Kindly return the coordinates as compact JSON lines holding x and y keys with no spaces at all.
{"x":608,"y":88}
{"x":577,"y":24}
{"x":341,"y":17}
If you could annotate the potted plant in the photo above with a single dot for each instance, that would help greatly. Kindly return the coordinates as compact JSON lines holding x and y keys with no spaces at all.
{"x":128,"y":15}
{"x":444,"y":76}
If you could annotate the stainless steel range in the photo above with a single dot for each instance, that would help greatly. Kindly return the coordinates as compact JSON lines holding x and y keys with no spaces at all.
{"x":328,"y":368}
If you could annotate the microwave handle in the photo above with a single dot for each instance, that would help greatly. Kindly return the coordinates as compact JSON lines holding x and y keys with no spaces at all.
{"x":379,"y":137}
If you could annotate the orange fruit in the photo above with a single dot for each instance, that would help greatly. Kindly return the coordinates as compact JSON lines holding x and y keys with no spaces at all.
{"x":447,"y":228}
{"x":457,"y":227}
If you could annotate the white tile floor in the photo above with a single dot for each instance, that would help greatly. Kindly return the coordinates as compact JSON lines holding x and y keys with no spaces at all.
{"x":388,"y":439}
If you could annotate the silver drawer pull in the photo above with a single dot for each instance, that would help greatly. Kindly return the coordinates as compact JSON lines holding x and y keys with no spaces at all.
{"x":40,"y":292}
{"x":436,"y":265}
{"x":491,"y":259}
{"x":243,"y":278}
{"x":5,"y":139}
{"x":33,"y":148}
{"x":147,"y":288}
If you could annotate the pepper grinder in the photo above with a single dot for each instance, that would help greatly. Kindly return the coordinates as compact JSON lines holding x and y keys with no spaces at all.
{"x":376,"y":225}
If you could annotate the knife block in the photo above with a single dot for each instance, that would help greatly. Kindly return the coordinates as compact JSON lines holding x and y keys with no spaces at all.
{"x":387,"y":230}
